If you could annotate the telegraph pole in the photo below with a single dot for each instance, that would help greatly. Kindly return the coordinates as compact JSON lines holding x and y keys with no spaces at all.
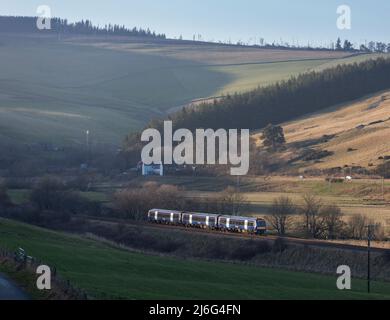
{"x":383,"y":179}
{"x":87,"y":141}
{"x":238,"y":195}
{"x":369,"y":237}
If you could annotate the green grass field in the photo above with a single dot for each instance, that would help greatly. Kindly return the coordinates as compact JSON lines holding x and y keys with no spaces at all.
{"x":108,"y":272}
{"x":245,"y":77}
{"x":53,"y":91}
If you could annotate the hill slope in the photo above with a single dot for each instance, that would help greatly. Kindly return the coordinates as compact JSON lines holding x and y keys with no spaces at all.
{"x":107,"y":272}
{"x":54,"y":90}
{"x":356,"y":133}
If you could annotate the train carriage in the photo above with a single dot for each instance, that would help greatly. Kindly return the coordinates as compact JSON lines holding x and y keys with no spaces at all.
{"x":164,"y":216}
{"x":200,"y":220}
{"x":208,"y":221}
{"x":242,"y":224}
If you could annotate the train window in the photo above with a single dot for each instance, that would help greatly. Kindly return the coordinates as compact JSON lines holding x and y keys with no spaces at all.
{"x":198,"y":219}
{"x":261,"y":223}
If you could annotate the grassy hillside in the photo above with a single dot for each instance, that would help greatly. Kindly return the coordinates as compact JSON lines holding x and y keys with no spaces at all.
{"x":360,"y":133}
{"x":53,"y":90}
{"x":245,"y":68}
{"x":107,"y":272}
{"x":245,"y":77}
{"x":249,"y":76}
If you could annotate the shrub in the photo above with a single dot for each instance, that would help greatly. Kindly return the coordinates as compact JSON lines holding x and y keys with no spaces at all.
{"x":358,"y":228}
{"x":26,"y":213}
{"x":18,"y":183}
{"x":52,"y":195}
{"x":82,"y":183}
{"x":311,"y":155}
{"x":279,"y":245}
{"x":135,"y":203}
{"x":5,"y":201}
{"x":53,"y":217}
{"x":331,"y":217}
{"x":47,"y":194}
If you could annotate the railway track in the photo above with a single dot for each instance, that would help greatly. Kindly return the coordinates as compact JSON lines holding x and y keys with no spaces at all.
{"x":271,"y":238}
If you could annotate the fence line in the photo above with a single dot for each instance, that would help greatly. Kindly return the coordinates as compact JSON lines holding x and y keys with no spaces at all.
{"x":28,"y":263}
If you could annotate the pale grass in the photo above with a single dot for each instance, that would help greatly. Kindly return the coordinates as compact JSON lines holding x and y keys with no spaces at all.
{"x":210,"y":53}
{"x":351,"y":146}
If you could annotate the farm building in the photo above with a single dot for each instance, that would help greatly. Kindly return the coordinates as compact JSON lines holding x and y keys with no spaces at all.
{"x":152,"y":170}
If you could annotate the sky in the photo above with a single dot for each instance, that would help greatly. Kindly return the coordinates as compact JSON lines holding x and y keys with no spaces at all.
{"x":298,"y":21}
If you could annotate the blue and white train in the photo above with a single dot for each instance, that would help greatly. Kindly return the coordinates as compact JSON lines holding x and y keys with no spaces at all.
{"x":208,"y":221}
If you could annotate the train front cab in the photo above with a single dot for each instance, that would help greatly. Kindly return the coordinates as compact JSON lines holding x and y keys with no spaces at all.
{"x":261,"y":226}
{"x":242,"y":224}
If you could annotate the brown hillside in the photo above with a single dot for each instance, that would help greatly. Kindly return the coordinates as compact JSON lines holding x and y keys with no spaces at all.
{"x":357,"y":133}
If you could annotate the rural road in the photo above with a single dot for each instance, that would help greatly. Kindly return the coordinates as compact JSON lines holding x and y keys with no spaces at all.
{"x":9,"y":291}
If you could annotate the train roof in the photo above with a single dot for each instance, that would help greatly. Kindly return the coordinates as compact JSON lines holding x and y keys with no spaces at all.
{"x":207,"y":214}
{"x":201,"y":214}
{"x":165,"y":211}
{"x":238,"y":217}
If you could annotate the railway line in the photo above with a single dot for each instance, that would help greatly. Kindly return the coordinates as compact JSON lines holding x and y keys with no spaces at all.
{"x":270,"y":238}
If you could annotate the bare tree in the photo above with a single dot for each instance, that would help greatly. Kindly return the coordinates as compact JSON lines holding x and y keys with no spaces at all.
{"x":357,"y":226}
{"x":281,"y":212}
{"x":52,"y":195}
{"x":232,"y":201}
{"x":132,"y":203}
{"x":331,"y":220}
{"x":379,"y":232}
{"x":311,"y":210}
{"x":136,"y":202}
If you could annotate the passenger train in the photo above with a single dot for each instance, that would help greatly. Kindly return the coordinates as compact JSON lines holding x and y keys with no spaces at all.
{"x":208,"y":221}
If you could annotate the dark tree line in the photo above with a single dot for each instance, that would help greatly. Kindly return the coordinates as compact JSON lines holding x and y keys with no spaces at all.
{"x":379,"y":47}
{"x":372,"y":46}
{"x":286,"y":100}
{"x":62,"y":26}
{"x":339,"y":45}
{"x":347,"y":46}
{"x":283,"y":101}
